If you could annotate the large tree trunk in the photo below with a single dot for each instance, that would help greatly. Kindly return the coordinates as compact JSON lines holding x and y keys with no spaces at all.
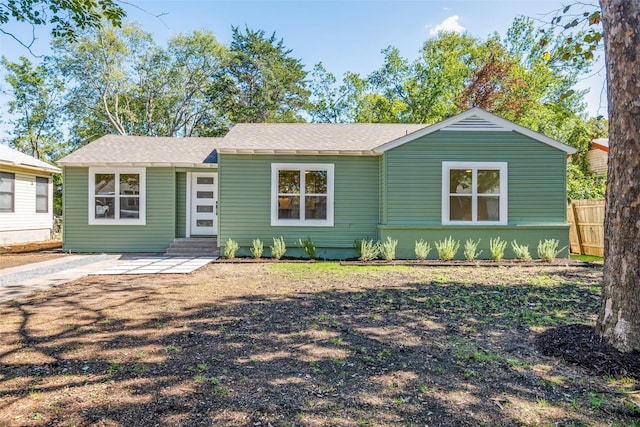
{"x":619,"y":319}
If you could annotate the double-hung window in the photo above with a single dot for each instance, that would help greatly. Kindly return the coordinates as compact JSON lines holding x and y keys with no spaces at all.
{"x":117,"y":196}
{"x":7,"y":191}
{"x":302,"y":194}
{"x":42,"y":195}
{"x":474,"y":193}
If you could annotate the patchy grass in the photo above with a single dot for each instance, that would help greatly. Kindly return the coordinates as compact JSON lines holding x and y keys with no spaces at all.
{"x":586,"y":258}
{"x":307,"y":345}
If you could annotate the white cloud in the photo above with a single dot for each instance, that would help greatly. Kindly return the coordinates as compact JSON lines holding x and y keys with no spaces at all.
{"x":449,"y":24}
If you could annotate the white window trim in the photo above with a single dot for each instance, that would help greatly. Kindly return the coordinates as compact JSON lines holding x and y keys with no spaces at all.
{"x":301,"y":167}
{"x":504,"y":180}
{"x":13,"y":194}
{"x":46,"y":211}
{"x":117,"y":221}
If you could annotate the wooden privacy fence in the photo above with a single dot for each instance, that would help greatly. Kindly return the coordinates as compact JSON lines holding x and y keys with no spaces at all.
{"x":586,"y":226}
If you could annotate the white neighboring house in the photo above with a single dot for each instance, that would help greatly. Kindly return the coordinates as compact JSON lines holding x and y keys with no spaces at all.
{"x":26,"y":197}
{"x":597,"y":156}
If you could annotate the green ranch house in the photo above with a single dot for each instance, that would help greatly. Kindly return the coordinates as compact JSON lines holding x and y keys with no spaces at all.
{"x":474,"y":175}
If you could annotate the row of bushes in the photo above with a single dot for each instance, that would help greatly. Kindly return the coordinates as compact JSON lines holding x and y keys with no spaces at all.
{"x":447,"y":249}
{"x":278,"y":249}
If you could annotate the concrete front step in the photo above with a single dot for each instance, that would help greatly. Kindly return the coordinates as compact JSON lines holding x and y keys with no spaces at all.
{"x":195,"y":246}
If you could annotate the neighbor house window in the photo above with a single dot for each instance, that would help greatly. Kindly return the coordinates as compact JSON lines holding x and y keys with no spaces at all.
{"x":42,"y":195}
{"x":474,"y":193}
{"x":302,"y":194}
{"x":117,"y":196}
{"x":7,"y":191}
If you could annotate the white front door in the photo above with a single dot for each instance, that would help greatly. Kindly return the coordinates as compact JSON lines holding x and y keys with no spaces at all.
{"x":204,"y":201}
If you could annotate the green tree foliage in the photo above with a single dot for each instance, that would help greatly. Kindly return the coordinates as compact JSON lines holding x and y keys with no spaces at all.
{"x":261,"y":81}
{"x":577,"y":46}
{"x":101,"y":64}
{"x":515,"y":78}
{"x":122,"y":82}
{"x":35,"y":108}
{"x":191,"y":62}
{"x":329,"y":103}
{"x":584,"y":185}
{"x":65,"y":17}
{"x":36,"y":111}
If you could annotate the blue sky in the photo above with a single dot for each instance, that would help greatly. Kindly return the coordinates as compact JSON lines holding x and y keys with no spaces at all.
{"x":343,"y":35}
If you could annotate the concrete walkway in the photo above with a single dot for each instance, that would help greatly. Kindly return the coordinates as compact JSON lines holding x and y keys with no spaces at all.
{"x":25,"y":279}
{"x":132,"y":264}
{"x":28,"y":278}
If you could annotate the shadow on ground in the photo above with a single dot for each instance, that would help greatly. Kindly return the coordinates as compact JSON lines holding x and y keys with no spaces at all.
{"x":242,"y":345}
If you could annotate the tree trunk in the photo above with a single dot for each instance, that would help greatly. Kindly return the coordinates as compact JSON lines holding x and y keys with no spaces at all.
{"x":619,"y":319}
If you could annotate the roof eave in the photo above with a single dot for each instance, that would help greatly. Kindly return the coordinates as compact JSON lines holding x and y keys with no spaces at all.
{"x":48,"y":169}
{"x":280,"y":152}
{"x":600,"y":146}
{"x":504,"y":123}
{"x":138,"y":164}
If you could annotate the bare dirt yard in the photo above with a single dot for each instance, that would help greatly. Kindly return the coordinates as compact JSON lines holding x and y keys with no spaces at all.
{"x":287,"y":344}
{"x":28,"y":253}
{"x":15,"y":259}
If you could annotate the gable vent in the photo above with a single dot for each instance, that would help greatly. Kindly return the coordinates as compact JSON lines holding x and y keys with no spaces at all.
{"x":474,"y":123}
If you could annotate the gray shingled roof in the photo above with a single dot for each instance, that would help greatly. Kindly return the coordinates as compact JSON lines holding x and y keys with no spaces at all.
{"x":282,"y":138}
{"x":12,"y":157}
{"x":245,"y":137}
{"x":320,"y":137}
{"x":117,"y":149}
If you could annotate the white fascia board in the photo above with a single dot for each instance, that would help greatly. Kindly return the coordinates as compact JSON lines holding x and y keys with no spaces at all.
{"x":299,"y":152}
{"x":141,"y":164}
{"x":31,"y":168}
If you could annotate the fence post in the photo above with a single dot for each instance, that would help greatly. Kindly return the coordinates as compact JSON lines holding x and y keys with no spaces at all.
{"x":576,"y":224}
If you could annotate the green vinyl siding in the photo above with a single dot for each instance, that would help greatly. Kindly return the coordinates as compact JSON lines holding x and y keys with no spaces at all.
{"x":412,"y":196}
{"x":245,"y":203}
{"x":529,"y":235}
{"x":181,"y":204}
{"x":536,"y":172}
{"x":382,"y":188}
{"x":154,"y":236}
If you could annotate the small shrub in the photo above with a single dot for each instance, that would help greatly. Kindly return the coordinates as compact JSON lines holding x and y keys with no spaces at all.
{"x":279,"y":248}
{"x":309,"y":247}
{"x":497,"y":247}
{"x":447,"y":248}
{"x":257,"y":247}
{"x":521,"y":251}
{"x":388,"y":249}
{"x":230,"y":249}
{"x":471,"y":249}
{"x":422,"y":249}
{"x":368,"y":250}
{"x":548,"y":250}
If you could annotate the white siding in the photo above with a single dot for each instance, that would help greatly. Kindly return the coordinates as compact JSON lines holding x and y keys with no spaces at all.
{"x":597,"y":160}
{"x":24,"y":224}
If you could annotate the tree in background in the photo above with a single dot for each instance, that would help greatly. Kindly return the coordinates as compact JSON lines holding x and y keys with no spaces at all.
{"x":36,"y":106}
{"x":122,"y":82}
{"x":514,"y":78}
{"x":261,"y":82}
{"x":101,"y":68}
{"x":492,"y":87}
{"x":66,"y":17}
{"x":329,"y":103}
